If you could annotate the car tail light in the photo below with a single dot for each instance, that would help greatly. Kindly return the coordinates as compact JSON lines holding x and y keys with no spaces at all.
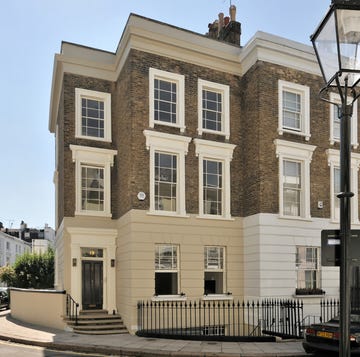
{"x":310,"y":331}
{"x":353,"y":338}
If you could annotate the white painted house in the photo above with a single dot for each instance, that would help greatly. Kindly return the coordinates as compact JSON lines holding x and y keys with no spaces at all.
{"x":10,"y":248}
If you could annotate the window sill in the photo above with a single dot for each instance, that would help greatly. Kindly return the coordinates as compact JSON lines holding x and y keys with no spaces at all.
{"x":95,"y":138}
{"x":208,"y":131}
{"x":294,"y":132}
{"x":167,"y":214}
{"x":296,"y":218}
{"x":217,"y":297}
{"x":309,"y":296}
{"x":219,"y":218}
{"x":158,"y":122}
{"x":169,"y":298}
{"x":337,"y":141}
{"x":337,"y":221}
{"x":309,"y":293}
{"x":93,"y":214}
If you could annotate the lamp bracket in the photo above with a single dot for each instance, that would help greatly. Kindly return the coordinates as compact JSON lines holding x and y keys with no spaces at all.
{"x":343,"y":91}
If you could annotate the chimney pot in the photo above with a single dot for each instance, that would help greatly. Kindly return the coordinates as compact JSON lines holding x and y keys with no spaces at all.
{"x":221,"y":21}
{"x":233,"y":13}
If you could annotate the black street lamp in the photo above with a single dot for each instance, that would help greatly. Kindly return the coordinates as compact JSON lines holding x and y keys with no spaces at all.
{"x":337,"y":46}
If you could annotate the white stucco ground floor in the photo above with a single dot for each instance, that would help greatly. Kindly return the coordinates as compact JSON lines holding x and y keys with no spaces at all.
{"x":113,"y":264}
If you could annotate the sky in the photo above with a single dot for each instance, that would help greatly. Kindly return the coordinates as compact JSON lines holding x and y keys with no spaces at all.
{"x":31,"y":32}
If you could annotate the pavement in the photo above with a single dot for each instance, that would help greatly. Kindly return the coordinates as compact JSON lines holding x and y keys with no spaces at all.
{"x":127,"y":345}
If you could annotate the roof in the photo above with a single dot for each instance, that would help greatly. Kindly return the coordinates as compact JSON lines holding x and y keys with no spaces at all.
{"x":166,"y":40}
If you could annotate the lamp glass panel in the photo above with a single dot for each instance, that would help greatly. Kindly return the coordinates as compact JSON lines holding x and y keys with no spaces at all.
{"x":326,"y":46}
{"x":348,"y":24}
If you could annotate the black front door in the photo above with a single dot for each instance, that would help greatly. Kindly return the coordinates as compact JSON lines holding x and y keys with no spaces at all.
{"x":92,"y":285}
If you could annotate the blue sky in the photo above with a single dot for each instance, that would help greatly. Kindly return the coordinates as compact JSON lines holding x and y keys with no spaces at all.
{"x":31,"y":33}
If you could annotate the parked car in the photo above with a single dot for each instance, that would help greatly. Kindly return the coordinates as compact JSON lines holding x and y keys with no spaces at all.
{"x":4,"y":298}
{"x":324,"y":337}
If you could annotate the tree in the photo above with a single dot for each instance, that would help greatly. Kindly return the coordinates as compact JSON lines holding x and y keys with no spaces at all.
{"x":31,"y":270}
{"x":7,"y":275}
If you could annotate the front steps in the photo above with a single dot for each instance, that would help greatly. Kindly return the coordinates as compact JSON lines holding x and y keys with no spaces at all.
{"x":97,"y":322}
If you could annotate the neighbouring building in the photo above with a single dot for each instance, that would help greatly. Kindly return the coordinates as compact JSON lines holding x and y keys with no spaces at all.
{"x":40,"y":239}
{"x":10,"y":248}
{"x":190,"y":167}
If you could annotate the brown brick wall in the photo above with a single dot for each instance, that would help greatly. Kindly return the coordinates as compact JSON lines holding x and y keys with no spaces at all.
{"x":132,"y":118}
{"x":67,"y":121}
{"x":254,"y":123}
{"x":259,"y":128}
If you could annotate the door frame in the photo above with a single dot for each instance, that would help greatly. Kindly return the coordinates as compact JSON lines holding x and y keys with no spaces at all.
{"x":97,"y":238}
{"x":93,"y":262}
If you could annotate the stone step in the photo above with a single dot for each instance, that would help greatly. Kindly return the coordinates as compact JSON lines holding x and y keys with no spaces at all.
{"x":98,"y":317}
{"x":101,"y":332}
{"x":99,"y":327}
{"x":97,"y":323}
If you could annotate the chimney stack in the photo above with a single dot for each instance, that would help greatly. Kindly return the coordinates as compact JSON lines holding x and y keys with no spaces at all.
{"x":226,"y":29}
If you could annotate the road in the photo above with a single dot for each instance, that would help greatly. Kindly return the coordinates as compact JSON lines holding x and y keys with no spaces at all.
{"x":17,"y":350}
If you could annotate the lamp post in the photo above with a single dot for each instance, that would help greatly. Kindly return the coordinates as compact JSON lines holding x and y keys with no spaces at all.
{"x":337,"y":46}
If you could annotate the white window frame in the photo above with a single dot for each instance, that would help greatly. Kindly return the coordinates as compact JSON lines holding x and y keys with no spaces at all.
{"x":335,"y":98}
{"x":292,"y":151}
{"x":161,"y":182}
{"x":302,"y":266}
{"x":95,"y":95}
{"x":304,"y":92}
{"x":86,"y":188}
{"x":179,"y":79}
{"x":176,"y":296}
{"x":85,"y":155}
{"x":334,"y":162}
{"x":173,"y":145}
{"x":224,"y":90}
{"x":215,"y":151}
{"x":219,"y":269}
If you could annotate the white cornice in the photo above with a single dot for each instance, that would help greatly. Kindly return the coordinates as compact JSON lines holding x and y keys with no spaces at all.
{"x":278,"y":50}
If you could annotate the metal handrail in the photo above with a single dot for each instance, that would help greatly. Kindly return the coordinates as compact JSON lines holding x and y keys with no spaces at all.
{"x":71,"y":309}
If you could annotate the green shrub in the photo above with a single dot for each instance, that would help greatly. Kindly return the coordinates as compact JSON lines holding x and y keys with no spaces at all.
{"x":31,"y":270}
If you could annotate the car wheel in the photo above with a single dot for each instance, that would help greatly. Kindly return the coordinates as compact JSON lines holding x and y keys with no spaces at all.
{"x":308,"y":349}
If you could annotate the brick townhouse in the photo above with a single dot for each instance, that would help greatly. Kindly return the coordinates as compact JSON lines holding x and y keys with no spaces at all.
{"x":190,"y":167}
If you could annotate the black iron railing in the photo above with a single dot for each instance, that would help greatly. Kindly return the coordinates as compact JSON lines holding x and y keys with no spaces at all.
{"x":71,"y":309}
{"x":220,"y":320}
{"x":283,"y":318}
{"x":329,"y":309}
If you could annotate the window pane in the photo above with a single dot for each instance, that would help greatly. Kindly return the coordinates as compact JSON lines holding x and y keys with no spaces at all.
{"x":165,"y":182}
{"x":212,"y":187}
{"x":92,"y":117}
{"x":336,"y":123}
{"x":291,"y":188}
{"x":165,"y":101}
{"x":213,"y":283}
{"x":166,"y":283}
{"x":166,"y":257}
{"x":213,"y":257}
{"x":336,"y":191}
{"x":308,"y":267}
{"x":92,"y":188}
{"x":291,"y":110}
{"x":166,"y":275}
{"x":212,"y":110}
{"x":213,"y":266}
